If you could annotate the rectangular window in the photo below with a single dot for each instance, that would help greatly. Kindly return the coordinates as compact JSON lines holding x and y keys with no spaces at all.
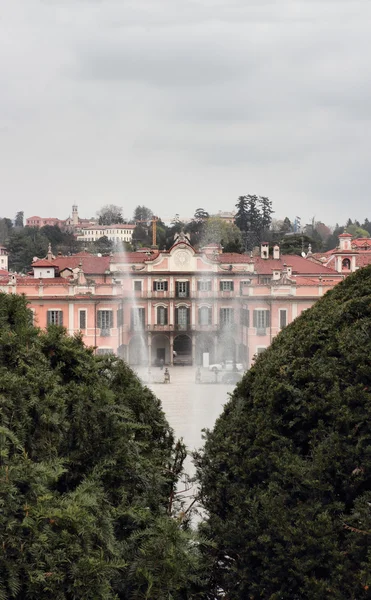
{"x":182,"y":289}
{"x":260,"y":350}
{"x":161,"y":315}
{"x":138,"y":318}
{"x":204,"y":285}
{"x":137,"y":286}
{"x":265,"y":280}
{"x":226,"y":316}
{"x":182,"y":317}
{"x":244,"y":317}
{"x":226,"y":286}
{"x":105,"y":321}
{"x":160,"y":286}
{"x":283,"y":318}
{"x":261,"y":321}
{"x":55,"y":317}
{"x":204,"y":315}
{"x":82,"y":319}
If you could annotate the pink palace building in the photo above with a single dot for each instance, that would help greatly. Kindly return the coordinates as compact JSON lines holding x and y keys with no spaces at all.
{"x":179,"y":306}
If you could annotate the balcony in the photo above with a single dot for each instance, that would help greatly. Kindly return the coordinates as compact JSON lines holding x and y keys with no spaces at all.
{"x":158,"y":327}
{"x":261,"y":331}
{"x":182,"y":327}
{"x":105,"y":332}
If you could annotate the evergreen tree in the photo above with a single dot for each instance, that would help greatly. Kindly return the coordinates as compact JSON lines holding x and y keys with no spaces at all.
{"x":18,"y":221}
{"x":285,"y":475}
{"x":241,"y":217}
{"x":266,"y":212}
{"x":24,"y":245}
{"x":88,"y":465}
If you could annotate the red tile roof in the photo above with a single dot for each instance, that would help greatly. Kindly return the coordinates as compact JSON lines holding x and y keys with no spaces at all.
{"x":300,"y":265}
{"x":363,"y":259}
{"x":43,"y":262}
{"x":361,"y":243}
{"x":91,"y":265}
{"x":133,"y":257}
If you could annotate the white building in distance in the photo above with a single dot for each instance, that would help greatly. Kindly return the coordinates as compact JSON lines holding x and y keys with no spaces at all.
{"x":122,"y":232}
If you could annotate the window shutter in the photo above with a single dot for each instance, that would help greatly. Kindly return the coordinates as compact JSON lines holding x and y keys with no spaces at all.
{"x":255,"y":318}
{"x":120,"y":317}
{"x":188,"y":316}
{"x":209,"y":286}
{"x":176,"y":316}
{"x":60,"y":318}
{"x":110,"y":318}
{"x":247,"y":318}
{"x":49,"y":317}
{"x":187,"y":288}
{"x":198,"y":285}
{"x":221,"y":286}
{"x":132,"y":318}
{"x":82,"y":319}
{"x":165,"y":316}
{"x":199,"y":316}
{"x":232,"y":285}
{"x":99,"y":319}
{"x":210,"y":315}
{"x":154,"y":286}
{"x":221,"y":316}
{"x":283,"y":319}
{"x":268,"y":318}
{"x":165,"y":286}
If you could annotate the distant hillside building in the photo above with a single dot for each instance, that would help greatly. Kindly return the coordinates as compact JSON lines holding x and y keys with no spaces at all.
{"x":72,"y":224}
{"x":226,"y":216}
{"x":122,"y":232}
{"x":3,"y":258}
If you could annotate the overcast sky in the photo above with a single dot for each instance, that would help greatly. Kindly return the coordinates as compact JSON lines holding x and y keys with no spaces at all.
{"x":180,"y":104}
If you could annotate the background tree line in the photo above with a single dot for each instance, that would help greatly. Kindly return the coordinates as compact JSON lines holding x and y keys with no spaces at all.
{"x":253,"y":223}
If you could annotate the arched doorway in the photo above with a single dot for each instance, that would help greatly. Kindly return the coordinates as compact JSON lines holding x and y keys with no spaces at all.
{"x":205,"y":344}
{"x":182,"y":350}
{"x":138,"y":351}
{"x":160,"y":349}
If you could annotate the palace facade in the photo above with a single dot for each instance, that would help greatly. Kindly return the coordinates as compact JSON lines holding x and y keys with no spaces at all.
{"x":178,"y":306}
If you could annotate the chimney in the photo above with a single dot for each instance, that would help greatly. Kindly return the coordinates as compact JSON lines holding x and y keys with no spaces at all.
{"x":264,"y":250}
{"x":276,"y":251}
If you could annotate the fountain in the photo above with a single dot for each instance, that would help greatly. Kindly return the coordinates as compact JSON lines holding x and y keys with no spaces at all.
{"x":135,"y":351}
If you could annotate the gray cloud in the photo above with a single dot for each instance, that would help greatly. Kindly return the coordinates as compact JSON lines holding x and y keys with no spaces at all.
{"x":186,"y":104}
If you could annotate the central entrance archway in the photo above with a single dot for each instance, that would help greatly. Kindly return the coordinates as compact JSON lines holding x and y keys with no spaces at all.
{"x":182,"y":350}
{"x":160,"y":350}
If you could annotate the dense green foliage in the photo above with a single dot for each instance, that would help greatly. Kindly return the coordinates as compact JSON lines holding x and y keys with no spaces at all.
{"x":88,"y":469}
{"x":286,"y":473}
{"x":253,"y":218}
